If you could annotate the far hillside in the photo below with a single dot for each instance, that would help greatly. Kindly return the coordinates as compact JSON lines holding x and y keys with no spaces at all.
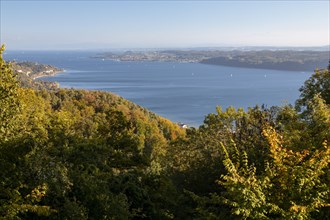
{"x":277,"y":60}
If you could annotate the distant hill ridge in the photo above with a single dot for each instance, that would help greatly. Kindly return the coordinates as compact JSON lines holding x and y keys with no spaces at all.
{"x":292,"y":60}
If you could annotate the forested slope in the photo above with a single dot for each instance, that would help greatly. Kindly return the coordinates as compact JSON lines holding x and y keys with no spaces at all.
{"x":75,"y":154}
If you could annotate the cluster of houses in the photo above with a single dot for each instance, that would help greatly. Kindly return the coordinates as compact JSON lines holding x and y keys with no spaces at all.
{"x":28,"y":72}
{"x":21,"y":71}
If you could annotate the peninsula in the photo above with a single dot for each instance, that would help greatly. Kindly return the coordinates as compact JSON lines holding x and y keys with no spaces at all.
{"x":292,"y":60}
{"x":28,"y":72}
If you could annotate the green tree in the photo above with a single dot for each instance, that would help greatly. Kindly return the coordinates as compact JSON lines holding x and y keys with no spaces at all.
{"x":17,"y":196}
{"x":318,"y":83}
{"x":9,"y":100}
{"x":290,"y":186}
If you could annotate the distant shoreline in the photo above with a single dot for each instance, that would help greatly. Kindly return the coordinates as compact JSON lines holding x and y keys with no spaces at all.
{"x":287,"y":60}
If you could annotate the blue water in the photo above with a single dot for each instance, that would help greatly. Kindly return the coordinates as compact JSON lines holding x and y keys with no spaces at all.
{"x":181,"y":92}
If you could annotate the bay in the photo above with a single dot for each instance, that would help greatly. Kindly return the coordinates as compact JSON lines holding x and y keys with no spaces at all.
{"x":181,"y":92}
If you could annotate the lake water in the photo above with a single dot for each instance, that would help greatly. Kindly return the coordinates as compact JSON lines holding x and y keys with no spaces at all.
{"x":181,"y":92}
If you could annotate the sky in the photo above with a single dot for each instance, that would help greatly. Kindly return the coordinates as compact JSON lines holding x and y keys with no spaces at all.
{"x":57,"y":25}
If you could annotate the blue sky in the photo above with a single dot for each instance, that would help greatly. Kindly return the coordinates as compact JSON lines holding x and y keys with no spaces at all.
{"x":137,"y":24}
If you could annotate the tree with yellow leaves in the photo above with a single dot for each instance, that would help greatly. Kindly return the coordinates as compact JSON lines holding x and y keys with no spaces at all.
{"x":290,"y":186}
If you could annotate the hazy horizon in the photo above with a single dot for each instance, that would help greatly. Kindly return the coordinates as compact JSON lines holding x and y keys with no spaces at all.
{"x":247,"y":48}
{"x":105,"y":25}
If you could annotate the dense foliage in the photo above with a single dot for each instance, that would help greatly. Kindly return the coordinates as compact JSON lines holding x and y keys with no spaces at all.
{"x":75,"y":154}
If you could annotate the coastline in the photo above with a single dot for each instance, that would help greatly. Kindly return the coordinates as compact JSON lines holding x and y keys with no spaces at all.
{"x":42,"y":74}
